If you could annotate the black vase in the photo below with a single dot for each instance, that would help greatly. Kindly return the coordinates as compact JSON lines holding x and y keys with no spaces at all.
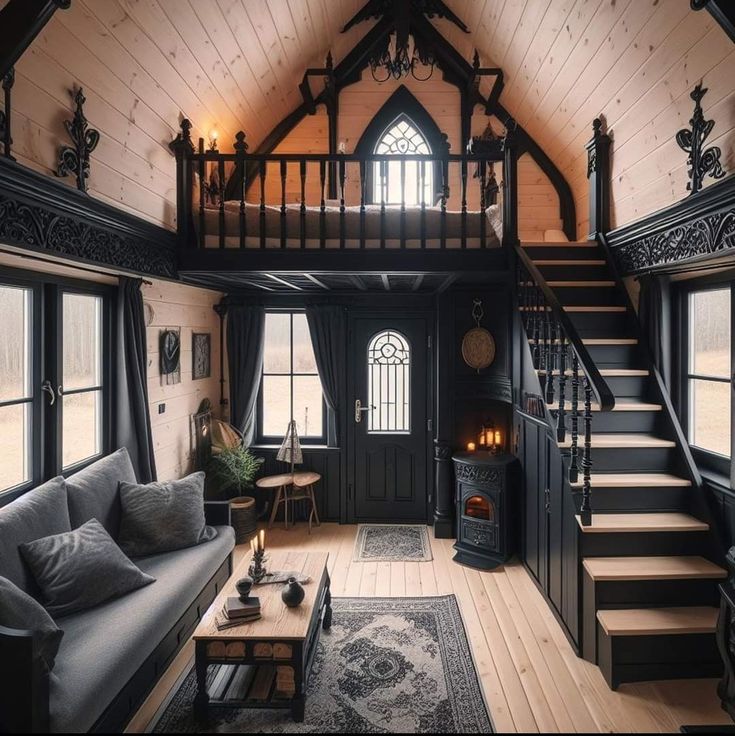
{"x":292,"y":593}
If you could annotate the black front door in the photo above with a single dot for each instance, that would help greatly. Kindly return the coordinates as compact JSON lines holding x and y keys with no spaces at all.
{"x":390,"y":360}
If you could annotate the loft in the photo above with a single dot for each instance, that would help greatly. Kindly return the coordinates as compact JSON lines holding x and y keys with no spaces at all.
{"x":366,"y":366}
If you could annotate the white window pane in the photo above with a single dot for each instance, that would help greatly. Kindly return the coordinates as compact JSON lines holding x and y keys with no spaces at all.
{"x":81,"y":427}
{"x":15,"y":453}
{"x":303,"y":350}
{"x":277,"y":349}
{"x":276,"y":405}
{"x":709,"y":331}
{"x":82,"y":365}
{"x":307,"y":405}
{"x":389,"y":375}
{"x":15,"y":344}
{"x":709,"y":415}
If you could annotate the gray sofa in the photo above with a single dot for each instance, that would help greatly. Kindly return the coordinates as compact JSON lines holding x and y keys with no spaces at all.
{"x":112,"y":655}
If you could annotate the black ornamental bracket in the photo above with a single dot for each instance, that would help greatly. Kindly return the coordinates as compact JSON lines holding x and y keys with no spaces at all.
{"x":74,"y":159}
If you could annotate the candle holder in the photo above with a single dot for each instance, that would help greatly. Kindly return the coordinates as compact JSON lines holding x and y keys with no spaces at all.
{"x":257,"y":569}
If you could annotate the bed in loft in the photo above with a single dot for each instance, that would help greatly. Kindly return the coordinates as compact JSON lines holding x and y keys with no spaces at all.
{"x":371,"y":226}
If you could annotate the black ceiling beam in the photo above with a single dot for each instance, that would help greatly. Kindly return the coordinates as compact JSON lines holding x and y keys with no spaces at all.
{"x":723,"y":11}
{"x":316,"y":281}
{"x":20,"y":22}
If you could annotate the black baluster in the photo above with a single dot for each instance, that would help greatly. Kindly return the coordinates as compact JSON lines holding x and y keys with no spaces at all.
{"x":463,"y":225}
{"x":302,"y":209}
{"x":537,"y":324}
{"x":403,"y":203}
{"x":221,"y":192}
{"x":444,"y":195}
{"x":483,"y":205}
{"x":586,"y":508}
{"x":561,"y":430}
{"x":422,"y":195}
{"x":263,"y":172}
{"x":284,"y":171}
{"x":363,"y":197}
{"x":574,"y":450}
{"x":240,"y":150}
{"x":550,"y":358}
{"x":342,"y":216}
{"x":203,"y":193}
{"x":322,"y":205}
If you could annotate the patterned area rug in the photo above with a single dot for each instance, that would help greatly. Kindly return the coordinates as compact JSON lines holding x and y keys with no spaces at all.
{"x":392,"y":543}
{"x":387,"y":665}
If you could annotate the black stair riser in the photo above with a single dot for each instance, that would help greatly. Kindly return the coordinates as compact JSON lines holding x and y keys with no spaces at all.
{"x":563,"y":252}
{"x":587,"y":296}
{"x":619,"y":421}
{"x":575,"y":273}
{"x":630,"y":459}
{"x":642,"y":658}
{"x":660,"y":593}
{"x":623,"y":387}
{"x":640,"y":544}
{"x":600,"y":324}
{"x":615,"y":356}
{"x":637,"y":499}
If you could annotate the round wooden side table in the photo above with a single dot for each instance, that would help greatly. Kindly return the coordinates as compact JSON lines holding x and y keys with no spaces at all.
{"x":289,"y":489}
{"x":305,"y":482}
{"x":280,"y":482}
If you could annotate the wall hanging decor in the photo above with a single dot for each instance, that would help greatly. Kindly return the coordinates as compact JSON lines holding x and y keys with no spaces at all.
{"x":170,"y":356}
{"x":201,"y":355}
{"x":75,"y":159}
{"x":702,"y":161}
{"x":478,"y":345}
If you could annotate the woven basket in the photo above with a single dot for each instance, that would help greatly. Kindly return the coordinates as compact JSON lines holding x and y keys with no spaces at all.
{"x":243,"y":518}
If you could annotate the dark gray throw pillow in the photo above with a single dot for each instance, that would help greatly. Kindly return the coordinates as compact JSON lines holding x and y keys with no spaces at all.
{"x":19,"y":611}
{"x":81,"y":569}
{"x":162,"y":517}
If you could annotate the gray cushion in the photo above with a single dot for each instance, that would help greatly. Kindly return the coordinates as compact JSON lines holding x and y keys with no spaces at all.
{"x":104,"y":647}
{"x":80,"y":569}
{"x":93,"y":491}
{"x":36,"y":514}
{"x":162,"y":517}
{"x":19,"y":611}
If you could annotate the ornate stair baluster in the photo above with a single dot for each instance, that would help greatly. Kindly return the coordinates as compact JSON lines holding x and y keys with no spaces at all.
{"x":536,"y":326}
{"x":586,"y":509}
{"x":573,"y":465}
{"x":550,"y":361}
{"x":561,"y":430}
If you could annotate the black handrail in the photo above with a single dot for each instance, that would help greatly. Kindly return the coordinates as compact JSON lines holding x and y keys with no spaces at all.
{"x":603,"y":395}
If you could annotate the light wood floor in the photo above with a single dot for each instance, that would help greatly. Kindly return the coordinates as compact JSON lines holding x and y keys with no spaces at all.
{"x":532,"y":680}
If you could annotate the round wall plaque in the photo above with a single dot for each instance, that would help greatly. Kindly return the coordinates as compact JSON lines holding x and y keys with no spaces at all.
{"x":478,"y":345}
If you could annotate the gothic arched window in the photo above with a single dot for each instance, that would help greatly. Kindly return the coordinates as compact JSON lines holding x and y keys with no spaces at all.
{"x":396,"y":182}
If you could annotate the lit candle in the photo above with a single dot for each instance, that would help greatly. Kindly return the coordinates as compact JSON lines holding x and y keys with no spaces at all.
{"x":262,"y":539}
{"x":482,"y":438}
{"x":498,"y":440}
{"x":471,"y":447}
{"x":489,"y":438}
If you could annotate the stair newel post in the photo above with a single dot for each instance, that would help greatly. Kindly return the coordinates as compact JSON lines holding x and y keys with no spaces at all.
{"x":561,"y":430}
{"x":536,"y":292}
{"x":574,"y":452}
{"x":550,"y":358}
{"x":586,"y":509}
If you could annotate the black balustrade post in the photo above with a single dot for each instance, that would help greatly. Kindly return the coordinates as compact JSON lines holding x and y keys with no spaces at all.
{"x":574,"y":450}
{"x":263,"y":173}
{"x":183,"y":149}
{"x":483,"y":204}
{"x":463,"y":190}
{"x":322,"y":205}
{"x":203,"y":194}
{"x":5,"y":116}
{"x":284,"y":176}
{"x":537,"y":325}
{"x":302,"y":209}
{"x":510,"y":185}
{"x":561,"y":429}
{"x":241,"y":147}
{"x":342,"y":216}
{"x":444,"y":197}
{"x":363,"y":197}
{"x":550,"y":363}
{"x":586,"y":509}
{"x":598,"y":174}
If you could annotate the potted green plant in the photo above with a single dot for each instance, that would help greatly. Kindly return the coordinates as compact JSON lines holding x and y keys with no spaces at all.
{"x":231,"y":473}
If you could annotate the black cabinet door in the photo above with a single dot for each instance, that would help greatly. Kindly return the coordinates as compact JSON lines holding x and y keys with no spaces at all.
{"x":536,"y":516}
{"x":389,"y":424}
{"x":555,"y":523}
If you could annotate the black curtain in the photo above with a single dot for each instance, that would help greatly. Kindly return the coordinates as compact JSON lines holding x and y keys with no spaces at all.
{"x":132,"y":417}
{"x":245,"y":335}
{"x":327,"y":325}
{"x":654,"y":313}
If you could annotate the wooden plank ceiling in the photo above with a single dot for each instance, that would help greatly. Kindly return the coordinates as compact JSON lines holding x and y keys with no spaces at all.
{"x":232,"y":64}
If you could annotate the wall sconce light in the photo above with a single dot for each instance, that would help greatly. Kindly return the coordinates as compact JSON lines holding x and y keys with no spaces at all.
{"x":213,"y":135}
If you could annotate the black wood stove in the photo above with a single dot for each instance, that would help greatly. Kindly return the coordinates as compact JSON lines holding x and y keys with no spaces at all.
{"x":485,"y":500}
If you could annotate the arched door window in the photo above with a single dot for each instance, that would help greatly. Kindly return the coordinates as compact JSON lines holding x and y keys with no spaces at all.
{"x":411,"y":184}
{"x":389,"y":383}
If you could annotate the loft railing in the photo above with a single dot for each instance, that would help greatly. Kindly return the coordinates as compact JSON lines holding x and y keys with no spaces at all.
{"x":431,"y":193}
{"x":556,"y":347}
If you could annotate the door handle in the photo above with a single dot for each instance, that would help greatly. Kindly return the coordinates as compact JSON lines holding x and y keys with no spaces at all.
{"x":49,"y":389}
{"x":359,"y":409}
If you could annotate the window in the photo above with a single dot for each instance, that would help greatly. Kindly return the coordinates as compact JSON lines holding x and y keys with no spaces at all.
{"x":389,"y":383}
{"x":290,"y":388}
{"x":709,"y":371}
{"x":54,"y":378}
{"x":398,"y":182}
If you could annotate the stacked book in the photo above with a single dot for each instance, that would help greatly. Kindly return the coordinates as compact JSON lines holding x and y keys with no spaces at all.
{"x":236,"y":612}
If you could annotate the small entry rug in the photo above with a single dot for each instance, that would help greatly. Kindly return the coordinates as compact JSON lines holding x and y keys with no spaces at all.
{"x":392,"y":543}
{"x":387,"y":665}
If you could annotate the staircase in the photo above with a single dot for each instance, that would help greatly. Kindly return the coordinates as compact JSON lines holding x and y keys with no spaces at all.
{"x":649,"y":587}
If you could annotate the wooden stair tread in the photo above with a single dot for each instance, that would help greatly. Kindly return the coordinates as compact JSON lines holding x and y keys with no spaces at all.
{"x":558,"y":244}
{"x":634,"y":480}
{"x":574,"y":284}
{"x":652,"y":568}
{"x":563,"y":262}
{"x":658,"y":621}
{"x":623,"y":439}
{"x":599,"y":341}
{"x":619,"y":406}
{"x":671,"y":521}
{"x":609,"y":372}
{"x":579,"y":309}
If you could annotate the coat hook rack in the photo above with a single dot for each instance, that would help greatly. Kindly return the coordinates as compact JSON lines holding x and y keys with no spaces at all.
{"x":702,"y":161}
{"x":75,"y":159}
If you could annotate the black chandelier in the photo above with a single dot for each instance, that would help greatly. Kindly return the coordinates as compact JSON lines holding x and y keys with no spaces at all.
{"x":399,"y":58}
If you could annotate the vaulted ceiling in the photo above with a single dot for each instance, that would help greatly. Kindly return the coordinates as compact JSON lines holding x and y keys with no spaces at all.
{"x":236,"y":64}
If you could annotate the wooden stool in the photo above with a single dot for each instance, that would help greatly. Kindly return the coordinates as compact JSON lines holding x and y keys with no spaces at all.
{"x":305,"y":482}
{"x":281,"y":483}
